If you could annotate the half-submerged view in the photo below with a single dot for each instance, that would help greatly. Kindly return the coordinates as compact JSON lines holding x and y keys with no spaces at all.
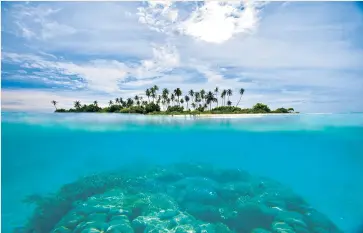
{"x":181,"y":117}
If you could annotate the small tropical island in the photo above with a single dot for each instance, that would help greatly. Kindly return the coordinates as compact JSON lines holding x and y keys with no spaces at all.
{"x":175,"y":103}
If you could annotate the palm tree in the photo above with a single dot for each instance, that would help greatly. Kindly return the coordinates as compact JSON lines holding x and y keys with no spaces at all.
{"x":168,"y":101}
{"x":178,"y":93}
{"x":148,"y":93}
{"x":165,"y":96}
{"x":216,"y":90}
{"x":163,"y":102}
{"x":110,"y":102}
{"x":229,"y":103}
{"x":241,"y":91}
{"x":117,"y":100}
{"x":187,"y":100}
{"x":172,"y":97}
{"x":191,"y":93}
{"x":223,"y":96}
{"x":196,"y":97}
{"x":165,"y":93}
{"x":77,"y":104}
{"x":182,"y":101}
{"x":229,"y":93}
{"x":153,"y":91}
{"x":136,"y":98}
{"x":210,"y":98}
{"x":202,"y":93}
{"x":123,"y":102}
{"x":55,"y":104}
{"x":130,"y":102}
{"x":95,"y":103}
{"x":193,"y":105}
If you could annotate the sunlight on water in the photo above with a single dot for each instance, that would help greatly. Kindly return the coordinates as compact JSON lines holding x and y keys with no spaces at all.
{"x":135,"y":173}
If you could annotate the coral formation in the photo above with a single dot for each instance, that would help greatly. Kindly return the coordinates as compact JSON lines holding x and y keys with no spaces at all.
{"x":180,"y":198}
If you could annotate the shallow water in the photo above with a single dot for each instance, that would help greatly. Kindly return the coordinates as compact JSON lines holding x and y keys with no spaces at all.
{"x":318,"y":156}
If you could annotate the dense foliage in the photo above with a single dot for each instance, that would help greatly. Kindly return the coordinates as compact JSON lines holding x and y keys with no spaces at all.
{"x":175,"y":109}
{"x":173,"y":103}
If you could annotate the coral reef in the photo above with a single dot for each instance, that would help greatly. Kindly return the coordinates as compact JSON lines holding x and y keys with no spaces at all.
{"x":179,"y":198}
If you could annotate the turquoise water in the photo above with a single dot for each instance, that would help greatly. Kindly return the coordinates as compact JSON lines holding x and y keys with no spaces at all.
{"x":319,"y":156}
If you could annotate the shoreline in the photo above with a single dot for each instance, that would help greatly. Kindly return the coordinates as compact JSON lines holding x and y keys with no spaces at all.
{"x":226,"y":115}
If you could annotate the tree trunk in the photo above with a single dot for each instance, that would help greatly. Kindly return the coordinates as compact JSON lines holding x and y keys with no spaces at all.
{"x":239,"y":100}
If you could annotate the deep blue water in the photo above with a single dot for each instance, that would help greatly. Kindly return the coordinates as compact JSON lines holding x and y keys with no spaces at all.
{"x":319,"y":156}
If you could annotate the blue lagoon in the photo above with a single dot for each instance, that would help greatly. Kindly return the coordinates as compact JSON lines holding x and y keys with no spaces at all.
{"x":132,"y":173}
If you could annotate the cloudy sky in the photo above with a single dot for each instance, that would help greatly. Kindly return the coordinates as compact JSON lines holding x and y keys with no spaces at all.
{"x":303,"y":55}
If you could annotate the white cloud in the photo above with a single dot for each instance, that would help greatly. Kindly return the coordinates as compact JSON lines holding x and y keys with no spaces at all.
{"x":214,"y":22}
{"x":101,"y":75}
{"x":36,"y":22}
{"x":217,"y":22}
{"x":281,"y":53}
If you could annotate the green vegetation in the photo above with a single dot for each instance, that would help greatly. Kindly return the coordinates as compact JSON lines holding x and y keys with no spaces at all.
{"x":174,"y":103}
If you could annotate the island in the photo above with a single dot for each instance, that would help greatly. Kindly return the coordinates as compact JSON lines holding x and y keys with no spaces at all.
{"x":174,"y":103}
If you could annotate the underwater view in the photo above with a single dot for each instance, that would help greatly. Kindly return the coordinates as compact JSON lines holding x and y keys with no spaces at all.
{"x":134,"y":173}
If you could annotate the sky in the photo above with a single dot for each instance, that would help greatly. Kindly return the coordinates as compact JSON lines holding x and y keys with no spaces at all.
{"x":305,"y":55}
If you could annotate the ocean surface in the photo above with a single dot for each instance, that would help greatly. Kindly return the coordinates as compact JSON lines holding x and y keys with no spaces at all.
{"x":318,"y":156}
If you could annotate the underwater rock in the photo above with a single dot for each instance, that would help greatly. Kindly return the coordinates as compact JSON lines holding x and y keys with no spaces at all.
{"x":208,"y":213}
{"x":157,"y":229}
{"x":97,"y":217}
{"x":196,"y":189}
{"x":153,"y":186}
{"x":61,"y":229}
{"x":120,"y":224}
{"x":199,"y":194}
{"x":206,"y":228}
{"x":180,"y":198}
{"x":100,"y":226}
{"x":120,"y":228}
{"x":294,"y":220}
{"x":71,"y":220}
{"x":187,"y":228}
{"x":167,"y":214}
{"x":121,"y":218}
{"x":196,"y":181}
{"x":169,"y":176}
{"x":221,"y":228}
{"x":213,"y":228}
{"x":231,"y":191}
{"x":260,"y":230}
{"x":140,"y":223}
{"x":91,"y":230}
{"x":117,"y":211}
{"x":252,"y":215}
{"x":281,"y":227}
{"x":181,"y":219}
{"x":231,"y":175}
{"x":318,"y":222}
